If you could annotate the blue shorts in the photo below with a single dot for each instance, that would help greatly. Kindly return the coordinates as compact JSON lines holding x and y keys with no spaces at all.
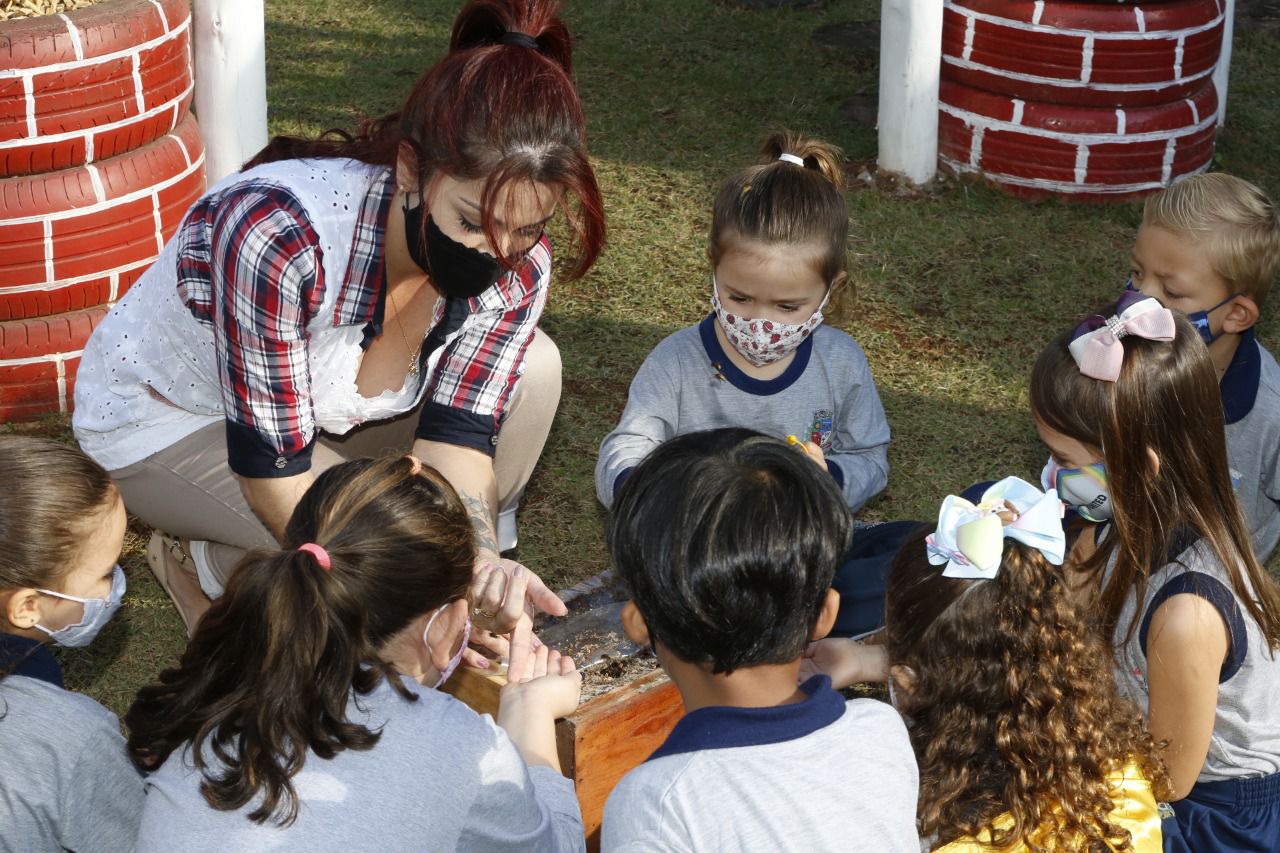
{"x":860,"y":578}
{"x":1225,"y":817}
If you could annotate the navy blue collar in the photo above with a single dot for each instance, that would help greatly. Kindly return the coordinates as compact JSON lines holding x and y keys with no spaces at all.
{"x":1239,"y":384}
{"x":23,"y":656}
{"x":722,"y":727}
{"x":725,"y":369}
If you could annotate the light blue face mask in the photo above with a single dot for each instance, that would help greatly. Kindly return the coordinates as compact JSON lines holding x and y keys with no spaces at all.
{"x":97,"y":612}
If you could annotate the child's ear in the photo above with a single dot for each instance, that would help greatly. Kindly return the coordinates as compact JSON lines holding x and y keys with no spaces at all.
{"x":633,"y":625}
{"x":21,"y":608}
{"x":1153,"y":461}
{"x":827,"y":616}
{"x":839,"y":282}
{"x":1241,"y":315}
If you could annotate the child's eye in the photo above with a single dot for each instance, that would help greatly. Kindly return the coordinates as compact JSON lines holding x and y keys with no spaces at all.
{"x":737,"y":297}
{"x":788,"y":308}
{"x":469,"y":227}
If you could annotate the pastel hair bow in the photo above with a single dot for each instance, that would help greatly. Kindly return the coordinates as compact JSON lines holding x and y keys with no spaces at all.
{"x":1096,"y":343}
{"x":970,"y":538}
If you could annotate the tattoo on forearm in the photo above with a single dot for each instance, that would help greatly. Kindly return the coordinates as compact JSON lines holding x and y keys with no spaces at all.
{"x":481,"y":520}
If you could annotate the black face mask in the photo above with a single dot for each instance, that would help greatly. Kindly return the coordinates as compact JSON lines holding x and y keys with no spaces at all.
{"x":457,"y":270}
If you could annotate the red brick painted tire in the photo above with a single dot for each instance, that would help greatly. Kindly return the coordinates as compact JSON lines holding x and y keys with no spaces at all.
{"x":77,"y":238}
{"x":96,"y":83}
{"x":38,"y":361}
{"x":1033,"y":149}
{"x":1088,"y":54}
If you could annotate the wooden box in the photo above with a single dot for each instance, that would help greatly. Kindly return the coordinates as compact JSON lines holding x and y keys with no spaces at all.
{"x":607,"y":736}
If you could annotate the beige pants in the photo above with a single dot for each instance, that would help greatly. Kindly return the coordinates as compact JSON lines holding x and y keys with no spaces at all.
{"x":188,"y":491}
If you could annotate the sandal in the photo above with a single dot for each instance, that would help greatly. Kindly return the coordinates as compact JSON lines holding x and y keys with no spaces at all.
{"x":171,"y":563}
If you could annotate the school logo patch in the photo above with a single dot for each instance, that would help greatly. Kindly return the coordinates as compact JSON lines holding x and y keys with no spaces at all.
{"x":820,"y":428}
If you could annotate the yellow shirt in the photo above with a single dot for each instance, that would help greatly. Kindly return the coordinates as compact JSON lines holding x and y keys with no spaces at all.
{"x":1135,"y":810}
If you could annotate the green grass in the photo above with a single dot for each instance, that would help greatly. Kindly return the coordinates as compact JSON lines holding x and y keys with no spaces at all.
{"x":958,"y":287}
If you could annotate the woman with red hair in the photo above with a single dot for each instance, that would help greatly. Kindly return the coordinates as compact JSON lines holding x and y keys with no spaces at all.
{"x":353,"y":293}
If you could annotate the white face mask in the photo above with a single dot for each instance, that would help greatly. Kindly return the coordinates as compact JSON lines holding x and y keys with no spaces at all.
{"x":97,"y":612}
{"x":457,"y":658}
{"x":1083,"y":489}
{"x":759,"y":341}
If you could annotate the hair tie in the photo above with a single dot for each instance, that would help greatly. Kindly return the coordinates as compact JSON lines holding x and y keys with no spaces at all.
{"x":791,"y":158}
{"x":520,"y":39}
{"x":970,"y":538}
{"x":1096,"y":346}
{"x":321,"y":555}
{"x":416,"y":463}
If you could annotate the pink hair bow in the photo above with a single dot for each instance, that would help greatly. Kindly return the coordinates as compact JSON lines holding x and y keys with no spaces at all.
{"x":1096,"y":346}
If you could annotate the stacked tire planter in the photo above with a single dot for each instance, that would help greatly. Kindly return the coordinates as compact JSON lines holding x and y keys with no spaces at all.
{"x":99,"y":160}
{"x":1087,"y":101}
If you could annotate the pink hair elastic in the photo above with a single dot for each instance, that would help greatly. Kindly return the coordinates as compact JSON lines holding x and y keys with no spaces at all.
{"x":321,"y":555}
{"x":417,"y":465}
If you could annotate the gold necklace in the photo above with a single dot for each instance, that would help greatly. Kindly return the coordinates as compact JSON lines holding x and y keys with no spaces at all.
{"x":414,"y":353}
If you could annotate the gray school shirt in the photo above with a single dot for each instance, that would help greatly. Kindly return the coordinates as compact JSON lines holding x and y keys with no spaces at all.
{"x":820,"y":775}
{"x":1251,"y":402}
{"x":826,"y":395}
{"x":441,"y":778}
{"x":1246,"y":725}
{"x":66,"y":782}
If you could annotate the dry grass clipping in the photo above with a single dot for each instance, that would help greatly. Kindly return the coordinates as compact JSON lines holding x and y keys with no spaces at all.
{"x":13,"y":9}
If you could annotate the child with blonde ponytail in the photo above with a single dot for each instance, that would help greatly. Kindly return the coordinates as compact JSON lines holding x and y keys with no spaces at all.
{"x":302,"y":715}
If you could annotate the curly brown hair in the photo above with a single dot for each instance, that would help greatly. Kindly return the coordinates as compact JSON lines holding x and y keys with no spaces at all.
{"x":1014,"y":708}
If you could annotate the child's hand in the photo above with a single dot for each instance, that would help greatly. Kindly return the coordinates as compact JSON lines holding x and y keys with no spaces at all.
{"x":845,"y":661}
{"x":814,"y":452}
{"x":528,"y":709}
{"x":810,"y":449}
{"x":551,"y":684}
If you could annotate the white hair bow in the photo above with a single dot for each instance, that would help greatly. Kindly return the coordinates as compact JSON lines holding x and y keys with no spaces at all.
{"x":970,"y":539}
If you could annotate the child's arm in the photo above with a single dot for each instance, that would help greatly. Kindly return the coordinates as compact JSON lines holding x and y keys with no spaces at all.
{"x":1188,"y":643}
{"x":528,"y":709}
{"x":523,"y":804}
{"x":651,"y":416}
{"x":859,"y":455}
{"x":845,"y":662}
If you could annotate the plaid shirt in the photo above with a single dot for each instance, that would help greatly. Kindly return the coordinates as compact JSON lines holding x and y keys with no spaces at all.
{"x":251,"y":268}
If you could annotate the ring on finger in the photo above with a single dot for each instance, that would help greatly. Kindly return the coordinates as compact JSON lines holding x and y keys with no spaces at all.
{"x":476,"y":611}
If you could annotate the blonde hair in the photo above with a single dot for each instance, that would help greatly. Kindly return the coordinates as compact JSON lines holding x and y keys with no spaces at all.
{"x":779,"y":202}
{"x":1238,"y":223}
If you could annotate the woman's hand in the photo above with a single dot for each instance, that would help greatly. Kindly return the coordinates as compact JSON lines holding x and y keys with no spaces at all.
{"x":504,"y":594}
{"x":846,"y":662}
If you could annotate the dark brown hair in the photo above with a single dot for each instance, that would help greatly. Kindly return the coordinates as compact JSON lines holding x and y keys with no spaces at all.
{"x":1166,"y":400}
{"x":265,"y":681}
{"x":491,"y":110}
{"x":778,"y":202}
{"x":1014,"y":708}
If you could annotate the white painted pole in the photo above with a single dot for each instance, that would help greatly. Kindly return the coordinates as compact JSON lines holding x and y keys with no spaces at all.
{"x":231,"y":82}
{"x":910,"y":61}
{"x":1223,"y":71}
